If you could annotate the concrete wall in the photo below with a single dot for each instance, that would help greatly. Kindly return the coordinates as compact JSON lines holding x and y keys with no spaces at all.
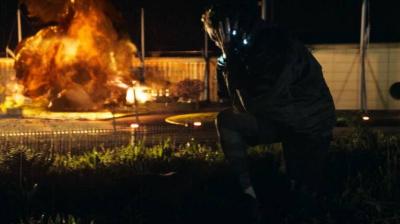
{"x":7,"y":74}
{"x":175,"y":69}
{"x":341,"y":65}
{"x":6,"y":67}
{"x":339,"y":62}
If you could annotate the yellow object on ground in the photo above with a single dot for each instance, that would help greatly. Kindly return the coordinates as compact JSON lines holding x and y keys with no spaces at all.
{"x":186,"y":119}
{"x":43,"y":114}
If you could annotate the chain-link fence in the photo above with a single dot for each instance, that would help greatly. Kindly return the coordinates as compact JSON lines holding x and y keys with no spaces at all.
{"x":76,"y":141}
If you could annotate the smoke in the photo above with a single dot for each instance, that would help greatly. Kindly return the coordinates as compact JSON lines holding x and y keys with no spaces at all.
{"x":48,"y":10}
{"x":73,"y":65}
{"x":60,"y":11}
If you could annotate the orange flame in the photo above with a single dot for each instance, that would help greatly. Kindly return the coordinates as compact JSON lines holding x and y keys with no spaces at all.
{"x":77,"y":65}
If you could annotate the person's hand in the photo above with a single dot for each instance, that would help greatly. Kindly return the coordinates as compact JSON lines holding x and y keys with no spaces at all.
{"x":220,"y":33}
{"x":226,"y":29}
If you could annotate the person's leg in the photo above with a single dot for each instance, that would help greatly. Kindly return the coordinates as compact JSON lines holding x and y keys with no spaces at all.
{"x":232,"y":127}
{"x":305,"y":158}
{"x":236,"y":132}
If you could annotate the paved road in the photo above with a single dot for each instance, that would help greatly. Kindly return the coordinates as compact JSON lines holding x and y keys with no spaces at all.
{"x":74,"y":135}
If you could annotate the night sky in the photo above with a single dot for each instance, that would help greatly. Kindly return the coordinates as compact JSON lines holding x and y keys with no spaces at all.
{"x":174,"y":25}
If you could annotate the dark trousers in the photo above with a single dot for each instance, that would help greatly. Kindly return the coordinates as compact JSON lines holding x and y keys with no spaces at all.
{"x":304,"y":154}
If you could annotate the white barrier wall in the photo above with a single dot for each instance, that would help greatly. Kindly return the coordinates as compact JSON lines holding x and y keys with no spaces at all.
{"x":341,"y":65}
{"x":7,"y":73}
{"x":6,"y":67}
{"x":175,"y":69}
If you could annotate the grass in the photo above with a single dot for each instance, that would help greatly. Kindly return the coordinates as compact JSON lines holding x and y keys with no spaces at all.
{"x":191,"y":183}
{"x":58,"y":219}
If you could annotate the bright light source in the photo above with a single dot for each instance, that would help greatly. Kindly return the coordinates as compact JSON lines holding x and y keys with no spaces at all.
{"x":119,"y":83}
{"x":221,"y":61}
{"x":245,"y":42}
{"x":234,"y":32}
{"x":366,"y":118}
{"x":134,"y":125}
{"x":197,"y":123}
{"x":130,"y":95}
{"x":140,"y":93}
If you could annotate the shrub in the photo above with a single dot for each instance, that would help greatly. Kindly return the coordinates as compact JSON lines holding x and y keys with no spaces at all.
{"x":59,"y":219}
{"x":363,"y":169}
{"x":190,"y":89}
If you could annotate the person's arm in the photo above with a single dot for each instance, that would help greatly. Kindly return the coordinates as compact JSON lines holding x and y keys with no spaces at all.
{"x":227,"y":85}
{"x":222,"y":90}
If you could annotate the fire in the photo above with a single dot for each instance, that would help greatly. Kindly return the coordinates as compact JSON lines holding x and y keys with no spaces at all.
{"x":10,"y":91}
{"x":75,"y":64}
{"x":138,"y":93}
{"x":142,"y":94}
{"x":14,"y":98}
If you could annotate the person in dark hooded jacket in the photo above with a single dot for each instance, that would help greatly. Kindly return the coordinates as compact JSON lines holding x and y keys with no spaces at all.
{"x":278,"y":94}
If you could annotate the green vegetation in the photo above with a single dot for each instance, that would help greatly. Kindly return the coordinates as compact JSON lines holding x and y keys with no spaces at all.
{"x":191,"y":183}
{"x":190,"y":89}
{"x":57,"y":220}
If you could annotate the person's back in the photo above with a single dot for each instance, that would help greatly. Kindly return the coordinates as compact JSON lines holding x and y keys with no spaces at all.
{"x":277,"y":77}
